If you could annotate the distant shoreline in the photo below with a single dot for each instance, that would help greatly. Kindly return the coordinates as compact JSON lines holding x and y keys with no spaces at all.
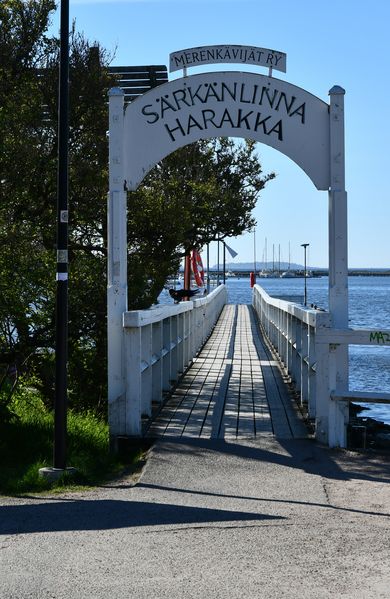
{"x":315,"y":272}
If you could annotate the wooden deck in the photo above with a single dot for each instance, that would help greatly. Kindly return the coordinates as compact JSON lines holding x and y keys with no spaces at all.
{"x":233,"y":389}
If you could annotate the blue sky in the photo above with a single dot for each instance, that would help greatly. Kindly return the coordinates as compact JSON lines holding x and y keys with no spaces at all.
{"x":338,"y":42}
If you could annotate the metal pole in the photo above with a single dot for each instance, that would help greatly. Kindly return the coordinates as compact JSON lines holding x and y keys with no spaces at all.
{"x":61,"y":348}
{"x":187,"y":274}
{"x":224,"y":263}
{"x":208,"y":270}
{"x":218,"y":262}
{"x":305,"y":245}
{"x":254,"y":254}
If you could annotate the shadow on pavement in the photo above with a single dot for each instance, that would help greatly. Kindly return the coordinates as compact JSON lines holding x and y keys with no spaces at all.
{"x":302,"y":454}
{"x":110,"y":514}
{"x":328,"y":506}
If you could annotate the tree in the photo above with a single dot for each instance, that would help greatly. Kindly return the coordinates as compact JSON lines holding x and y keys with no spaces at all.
{"x":28,"y":167}
{"x":200,"y":193}
{"x":25,"y":284}
{"x":197,"y":194}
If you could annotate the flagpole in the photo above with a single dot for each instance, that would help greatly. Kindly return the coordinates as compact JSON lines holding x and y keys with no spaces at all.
{"x":224,"y":262}
{"x":208,"y":269}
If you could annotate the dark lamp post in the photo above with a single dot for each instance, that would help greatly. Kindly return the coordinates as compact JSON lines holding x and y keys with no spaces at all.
{"x":61,"y":388}
{"x":305,"y":246}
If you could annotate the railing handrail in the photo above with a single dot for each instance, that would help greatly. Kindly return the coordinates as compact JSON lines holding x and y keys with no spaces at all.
{"x":319,"y":319}
{"x":355,"y":336}
{"x":159,"y":344}
{"x":308,"y":315}
{"x":306,"y":343}
{"x":361,"y":396}
{"x":140,"y":318}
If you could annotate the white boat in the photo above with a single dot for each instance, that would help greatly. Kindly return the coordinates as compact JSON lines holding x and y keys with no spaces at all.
{"x":288,"y":274}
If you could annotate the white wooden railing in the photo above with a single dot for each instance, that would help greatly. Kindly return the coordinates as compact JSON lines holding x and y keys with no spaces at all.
{"x":159,"y":344}
{"x":306,"y":343}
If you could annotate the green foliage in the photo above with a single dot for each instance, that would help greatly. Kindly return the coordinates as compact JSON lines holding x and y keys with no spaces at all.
{"x":28,"y":179}
{"x":198,"y":194}
{"x":26,"y":442}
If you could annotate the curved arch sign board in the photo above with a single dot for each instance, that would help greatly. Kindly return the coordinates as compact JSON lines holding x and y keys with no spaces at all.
{"x":227,"y":104}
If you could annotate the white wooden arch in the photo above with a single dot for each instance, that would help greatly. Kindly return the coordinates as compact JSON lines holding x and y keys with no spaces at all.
{"x":224,"y":104}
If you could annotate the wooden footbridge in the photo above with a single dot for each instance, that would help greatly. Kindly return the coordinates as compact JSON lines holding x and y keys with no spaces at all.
{"x":208,"y":369}
{"x":233,"y":389}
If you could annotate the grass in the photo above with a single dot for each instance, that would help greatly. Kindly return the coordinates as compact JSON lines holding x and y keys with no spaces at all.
{"x":26,"y":445}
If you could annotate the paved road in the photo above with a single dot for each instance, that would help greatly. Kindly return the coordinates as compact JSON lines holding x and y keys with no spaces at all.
{"x":209,"y":519}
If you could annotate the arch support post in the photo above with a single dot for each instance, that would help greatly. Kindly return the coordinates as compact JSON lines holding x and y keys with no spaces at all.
{"x":338,"y":268}
{"x":116,"y":264}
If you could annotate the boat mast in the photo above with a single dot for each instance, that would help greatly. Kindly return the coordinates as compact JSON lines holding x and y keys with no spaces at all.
{"x":289,"y":256}
{"x":273,"y":258}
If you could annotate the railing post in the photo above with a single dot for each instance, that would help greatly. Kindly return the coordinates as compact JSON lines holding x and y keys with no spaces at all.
{"x":294,"y":354}
{"x":298,"y":379}
{"x":338,"y":410}
{"x":157,"y":361}
{"x":311,"y":408}
{"x":146,"y":370}
{"x":304,"y":364}
{"x":180,"y":343}
{"x":166,"y":354}
{"x":174,"y":349}
{"x":289,"y":344}
{"x":133,"y":409}
{"x":322,"y":393}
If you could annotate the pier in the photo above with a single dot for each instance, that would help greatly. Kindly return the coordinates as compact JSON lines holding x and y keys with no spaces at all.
{"x":211,"y":370}
{"x":234,"y":388}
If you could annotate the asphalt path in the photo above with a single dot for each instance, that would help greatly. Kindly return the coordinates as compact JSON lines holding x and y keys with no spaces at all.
{"x":209,"y":519}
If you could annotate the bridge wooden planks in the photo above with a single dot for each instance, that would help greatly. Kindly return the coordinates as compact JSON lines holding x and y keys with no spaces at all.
{"x":233,"y":389}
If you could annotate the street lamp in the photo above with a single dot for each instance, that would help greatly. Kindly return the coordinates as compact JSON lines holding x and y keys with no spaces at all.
{"x":305,"y":245}
{"x":224,"y":262}
{"x":62,"y":248}
{"x":254,"y":255}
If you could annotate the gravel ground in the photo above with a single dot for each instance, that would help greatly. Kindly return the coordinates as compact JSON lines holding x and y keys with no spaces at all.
{"x":209,"y":519}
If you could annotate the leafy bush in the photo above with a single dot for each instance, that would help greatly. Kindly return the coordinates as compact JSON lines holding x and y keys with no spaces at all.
{"x":26,"y":445}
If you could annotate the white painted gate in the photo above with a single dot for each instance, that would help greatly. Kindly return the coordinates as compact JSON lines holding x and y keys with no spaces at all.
{"x":225,"y":104}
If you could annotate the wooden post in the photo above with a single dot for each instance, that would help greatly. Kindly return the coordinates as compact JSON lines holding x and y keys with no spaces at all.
{"x":117,"y":265}
{"x":338,"y":263}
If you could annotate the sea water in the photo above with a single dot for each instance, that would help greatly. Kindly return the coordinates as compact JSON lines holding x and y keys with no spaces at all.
{"x":369,"y":308}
